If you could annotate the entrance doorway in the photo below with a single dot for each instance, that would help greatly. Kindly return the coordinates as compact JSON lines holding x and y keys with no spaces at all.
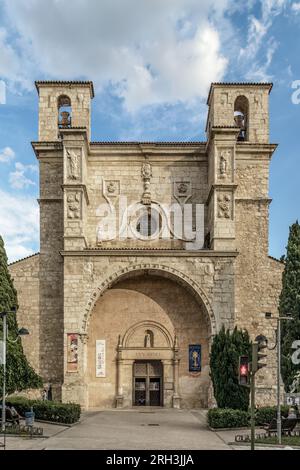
{"x":147,"y":383}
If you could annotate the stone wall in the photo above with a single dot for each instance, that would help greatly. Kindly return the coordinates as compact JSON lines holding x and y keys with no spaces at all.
{"x":234,"y":282}
{"x":25,"y":275}
{"x":51,"y":271}
{"x":140,"y":299}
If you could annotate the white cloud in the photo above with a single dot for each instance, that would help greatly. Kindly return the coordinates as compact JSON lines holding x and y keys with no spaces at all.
{"x":11,"y":67}
{"x":19,"y":224}
{"x":18,"y":178}
{"x":296,"y":7}
{"x":6,"y":155}
{"x":151,"y":51}
{"x":257,"y":41}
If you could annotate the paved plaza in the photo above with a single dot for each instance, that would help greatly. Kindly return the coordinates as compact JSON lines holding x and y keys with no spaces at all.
{"x":133,"y":429}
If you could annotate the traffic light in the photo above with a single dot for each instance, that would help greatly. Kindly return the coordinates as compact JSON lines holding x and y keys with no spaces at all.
{"x":257,"y":355}
{"x":244,"y":370}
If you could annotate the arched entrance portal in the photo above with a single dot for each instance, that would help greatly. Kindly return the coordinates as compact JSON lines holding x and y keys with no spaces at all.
{"x":143,"y":320}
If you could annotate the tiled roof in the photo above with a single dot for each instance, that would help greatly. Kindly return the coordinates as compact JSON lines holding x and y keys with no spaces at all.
{"x":146,"y":143}
{"x":22,"y":259}
{"x":276,"y":259}
{"x":66,"y":83}
{"x":248,"y":84}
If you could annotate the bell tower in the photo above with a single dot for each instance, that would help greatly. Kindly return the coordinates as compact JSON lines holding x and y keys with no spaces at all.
{"x":238,"y":118}
{"x":63,"y":105}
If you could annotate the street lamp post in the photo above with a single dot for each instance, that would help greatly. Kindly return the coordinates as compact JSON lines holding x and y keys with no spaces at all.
{"x":3,"y":315}
{"x":21,"y":332}
{"x":278,"y":345}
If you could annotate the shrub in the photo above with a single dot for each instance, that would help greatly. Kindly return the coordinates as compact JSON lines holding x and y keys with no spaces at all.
{"x":227,"y":418}
{"x":66,"y":413}
{"x":19,"y":373}
{"x":226,"y":349}
{"x":265,"y":414}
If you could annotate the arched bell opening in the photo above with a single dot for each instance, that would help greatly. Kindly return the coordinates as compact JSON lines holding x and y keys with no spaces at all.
{"x":241,"y":117}
{"x":64,"y":111}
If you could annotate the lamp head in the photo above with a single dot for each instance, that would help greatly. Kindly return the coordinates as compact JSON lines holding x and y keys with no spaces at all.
{"x":23,"y":332}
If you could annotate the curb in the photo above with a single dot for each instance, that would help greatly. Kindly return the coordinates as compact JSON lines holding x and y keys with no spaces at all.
{"x":261,"y":444}
{"x":229,"y":429}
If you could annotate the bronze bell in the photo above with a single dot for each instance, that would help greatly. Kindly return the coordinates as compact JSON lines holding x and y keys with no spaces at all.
{"x":65,"y":119}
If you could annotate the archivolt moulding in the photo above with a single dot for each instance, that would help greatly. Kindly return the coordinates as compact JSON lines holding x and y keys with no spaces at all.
{"x":151,"y":269}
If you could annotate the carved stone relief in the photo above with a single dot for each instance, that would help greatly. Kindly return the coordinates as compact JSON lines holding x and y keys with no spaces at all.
{"x":182,"y":191}
{"x":146,"y":173}
{"x":224,"y":163}
{"x":224,"y":206}
{"x":111,"y":189}
{"x":73,"y":164}
{"x":74,"y":205}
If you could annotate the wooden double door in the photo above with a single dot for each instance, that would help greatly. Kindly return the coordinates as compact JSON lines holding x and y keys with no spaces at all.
{"x":147,"y":383}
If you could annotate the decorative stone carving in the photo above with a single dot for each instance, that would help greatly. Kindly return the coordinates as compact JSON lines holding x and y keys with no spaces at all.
{"x":111,"y":189}
{"x":73,"y":164}
{"x":74,"y":205}
{"x":149,"y":339}
{"x":224,"y":206}
{"x":224,"y":162}
{"x":146,"y":172}
{"x":182,"y":191}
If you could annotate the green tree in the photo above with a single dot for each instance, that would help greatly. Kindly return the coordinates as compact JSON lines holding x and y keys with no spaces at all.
{"x":226,"y":349}
{"x":19,"y":374}
{"x":290,"y":304}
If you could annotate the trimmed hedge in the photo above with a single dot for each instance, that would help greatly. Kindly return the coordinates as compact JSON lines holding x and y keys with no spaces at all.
{"x":67,"y":413}
{"x":227,"y":418}
{"x":265,"y":414}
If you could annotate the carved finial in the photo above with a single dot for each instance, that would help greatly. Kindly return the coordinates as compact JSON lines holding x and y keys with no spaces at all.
{"x":146,"y":172}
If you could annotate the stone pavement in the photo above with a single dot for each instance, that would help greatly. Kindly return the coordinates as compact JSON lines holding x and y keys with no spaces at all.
{"x":153,"y":428}
{"x":135,"y":429}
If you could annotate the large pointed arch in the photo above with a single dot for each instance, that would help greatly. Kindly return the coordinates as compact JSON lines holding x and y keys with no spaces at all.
{"x":154,"y":270}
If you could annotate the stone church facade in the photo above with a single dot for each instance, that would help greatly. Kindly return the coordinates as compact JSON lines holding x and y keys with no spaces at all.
{"x":128,"y":319}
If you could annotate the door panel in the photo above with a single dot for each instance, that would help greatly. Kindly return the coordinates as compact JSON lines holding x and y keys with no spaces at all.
{"x":140,"y":391}
{"x":154,"y":391}
{"x":147,"y":382}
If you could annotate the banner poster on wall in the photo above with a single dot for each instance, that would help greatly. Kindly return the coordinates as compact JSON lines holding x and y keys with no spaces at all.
{"x":195,"y":357}
{"x":100,"y":358}
{"x":72,"y":352}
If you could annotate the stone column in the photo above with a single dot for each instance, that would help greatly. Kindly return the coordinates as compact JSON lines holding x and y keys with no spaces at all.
{"x":176,"y":396}
{"x":119,"y":397}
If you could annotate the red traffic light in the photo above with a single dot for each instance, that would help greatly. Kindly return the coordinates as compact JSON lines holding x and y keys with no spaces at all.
{"x":244,"y":370}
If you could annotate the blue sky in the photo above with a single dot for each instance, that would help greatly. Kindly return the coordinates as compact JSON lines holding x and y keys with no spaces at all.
{"x":152,"y":62}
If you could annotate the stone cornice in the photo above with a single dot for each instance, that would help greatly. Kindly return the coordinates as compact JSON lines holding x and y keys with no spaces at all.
{"x":151,"y":253}
{"x":265,"y":200}
{"x":237,"y":84}
{"x":43,"y":146}
{"x":254,"y":151}
{"x":65,"y":84}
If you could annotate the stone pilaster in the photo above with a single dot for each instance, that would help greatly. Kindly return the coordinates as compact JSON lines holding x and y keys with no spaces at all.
{"x":221,"y":176}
